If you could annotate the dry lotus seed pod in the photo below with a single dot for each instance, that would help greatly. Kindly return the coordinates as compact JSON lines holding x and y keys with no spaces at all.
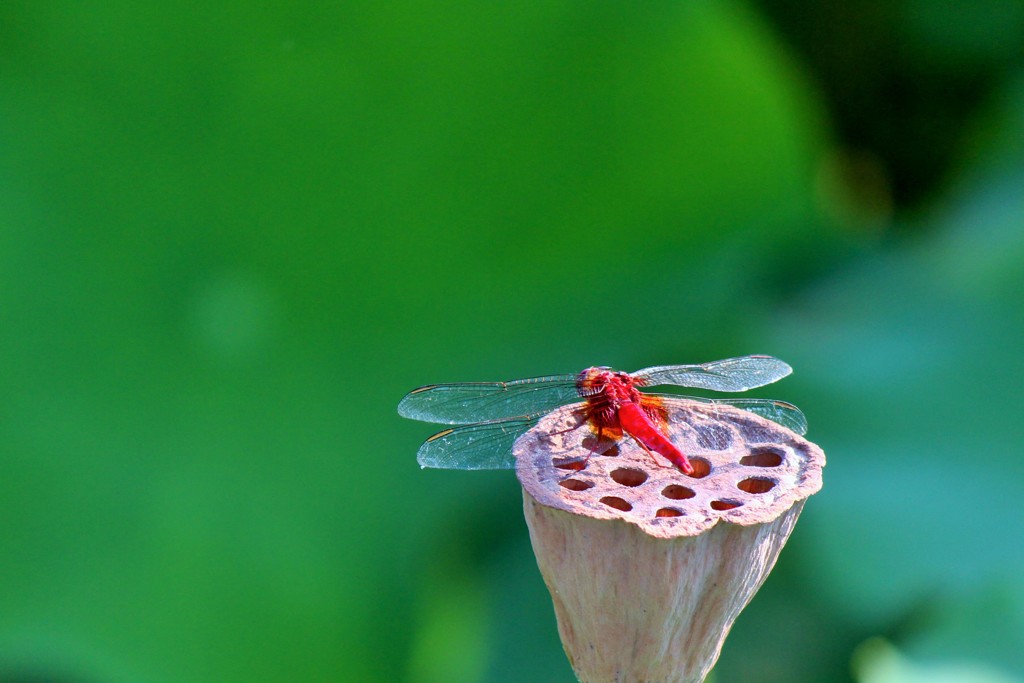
{"x":648,"y":567}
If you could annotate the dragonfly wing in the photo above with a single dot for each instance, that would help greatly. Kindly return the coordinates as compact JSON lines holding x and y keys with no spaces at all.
{"x":473,"y":402}
{"x":482,"y":446}
{"x":779,"y":412}
{"x":731,"y":374}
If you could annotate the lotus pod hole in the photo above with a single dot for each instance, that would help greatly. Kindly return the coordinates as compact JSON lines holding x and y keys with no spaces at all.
{"x":648,"y":567}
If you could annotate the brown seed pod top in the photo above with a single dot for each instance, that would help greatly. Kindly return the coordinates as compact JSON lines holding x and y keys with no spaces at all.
{"x":747,"y":470}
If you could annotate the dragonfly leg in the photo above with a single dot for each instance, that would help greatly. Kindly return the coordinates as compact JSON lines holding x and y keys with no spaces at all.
{"x":579,"y":465}
{"x":650,"y":453}
{"x":597,"y":442}
{"x":576,"y":465}
{"x":583,"y":419}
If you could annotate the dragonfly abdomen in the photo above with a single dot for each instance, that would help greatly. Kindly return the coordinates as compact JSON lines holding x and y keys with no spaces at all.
{"x":635,"y":421}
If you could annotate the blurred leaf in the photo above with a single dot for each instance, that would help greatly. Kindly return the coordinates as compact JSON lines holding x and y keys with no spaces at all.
{"x":981,"y":623}
{"x":914,"y":373}
{"x":879,"y":662}
{"x":450,"y":636}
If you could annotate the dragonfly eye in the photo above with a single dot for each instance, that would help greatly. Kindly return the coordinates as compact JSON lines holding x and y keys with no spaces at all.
{"x":591,"y":375}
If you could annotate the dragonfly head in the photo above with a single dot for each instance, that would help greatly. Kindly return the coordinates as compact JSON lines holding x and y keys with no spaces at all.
{"x":590,"y":380}
{"x":597,"y":379}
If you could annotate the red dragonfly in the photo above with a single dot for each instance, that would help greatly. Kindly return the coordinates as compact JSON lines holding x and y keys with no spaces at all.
{"x":490,"y":416}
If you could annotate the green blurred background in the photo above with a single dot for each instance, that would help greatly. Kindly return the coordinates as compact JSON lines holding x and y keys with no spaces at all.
{"x":232,"y":235}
